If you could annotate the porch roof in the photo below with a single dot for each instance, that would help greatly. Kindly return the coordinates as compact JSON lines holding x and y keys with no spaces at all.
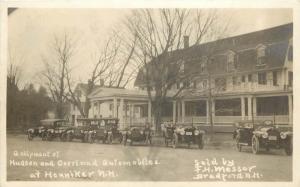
{"x":122,"y":93}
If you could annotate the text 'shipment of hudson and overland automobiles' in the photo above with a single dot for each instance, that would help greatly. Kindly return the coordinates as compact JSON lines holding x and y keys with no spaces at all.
{"x":262,"y":135}
{"x":138,"y":134}
{"x":183,"y":133}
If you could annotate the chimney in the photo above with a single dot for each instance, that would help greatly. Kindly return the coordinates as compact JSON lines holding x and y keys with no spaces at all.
{"x":101,"y":82}
{"x":185,"y":41}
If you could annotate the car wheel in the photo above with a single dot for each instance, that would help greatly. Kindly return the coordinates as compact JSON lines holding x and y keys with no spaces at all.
{"x":109,"y":139}
{"x":49,"y":136}
{"x":69,"y":138}
{"x":289,"y":147}
{"x":124,"y":140}
{"x":255,"y":145}
{"x":238,"y":145}
{"x":175,"y":141}
{"x":166,"y":142}
{"x":201,"y":143}
{"x":30,"y":136}
{"x":63,"y":137}
{"x":44,"y":137}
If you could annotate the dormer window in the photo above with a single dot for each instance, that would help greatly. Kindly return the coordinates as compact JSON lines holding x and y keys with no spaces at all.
{"x":203,"y":64}
{"x":261,"y":55}
{"x":181,"y":67}
{"x":231,"y":65}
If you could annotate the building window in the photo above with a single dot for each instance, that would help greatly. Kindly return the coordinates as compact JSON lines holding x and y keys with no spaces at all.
{"x":231,"y":61}
{"x":194,"y":84}
{"x":261,"y":55}
{"x":204,"y":84}
{"x":262,"y":78}
{"x":110,"y":107}
{"x":275,"y":82}
{"x":181,"y":67}
{"x":203,"y":65}
{"x":220,"y":84}
{"x":243,"y":78}
{"x":234,"y":80}
{"x":249,"y":78}
{"x":290,"y":53}
{"x":290,"y":78}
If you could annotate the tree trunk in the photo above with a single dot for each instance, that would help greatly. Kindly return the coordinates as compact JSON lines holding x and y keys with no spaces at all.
{"x":157,"y":110}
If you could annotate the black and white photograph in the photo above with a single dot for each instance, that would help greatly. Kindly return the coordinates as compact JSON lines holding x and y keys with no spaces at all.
{"x":149,"y":95}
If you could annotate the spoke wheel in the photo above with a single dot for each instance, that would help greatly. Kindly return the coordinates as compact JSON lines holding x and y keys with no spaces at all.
{"x":175,"y":141}
{"x":30,"y":136}
{"x":255,"y":145}
{"x":201,"y":142}
{"x":289,"y":147}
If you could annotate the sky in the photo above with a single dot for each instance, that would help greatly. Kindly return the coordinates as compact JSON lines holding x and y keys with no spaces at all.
{"x":30,"y":32}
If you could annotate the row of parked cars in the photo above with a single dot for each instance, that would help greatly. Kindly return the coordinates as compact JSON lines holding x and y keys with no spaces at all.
{"x":106,"y":130}
{"x":257,"y":134}
{"x":89,"y":130}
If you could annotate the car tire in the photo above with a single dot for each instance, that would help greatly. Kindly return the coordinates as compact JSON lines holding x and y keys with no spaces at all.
{"x":44,"y":137}
{"x":201,"y":143}
{"x":30,"y":136}
{"x":109,"y":139}
{"x":69,"y":137}
{"x":166,"y":142}
{"x":175,"y":141}
{"x":289,"y":148}
{"x":255,"y":145}
{"x":238,"y":145}
{"x":63,"y":137}
{"x":49,"y":136}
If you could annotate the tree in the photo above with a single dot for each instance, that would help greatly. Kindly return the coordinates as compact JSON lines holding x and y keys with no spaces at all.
{"x":57,"y":68}
{"x":112,"y":67}
{"x":159,"y":33}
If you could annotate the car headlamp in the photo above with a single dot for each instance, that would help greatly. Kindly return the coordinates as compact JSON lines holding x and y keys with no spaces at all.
{"x":283,"y":135}
{"x":142,"y":132}
{"x":197,"y":132}
{"x":181,"y":132}
{"x":265,"y":135}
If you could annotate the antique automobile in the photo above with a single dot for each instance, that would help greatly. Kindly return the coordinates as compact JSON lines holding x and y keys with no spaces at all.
{"x":264,"y":134}
{"x":104,"y":129}
{"x":82,"y":131}
{"x":168,"y":132}
{"x":39,"y":131}
{"x":57,"y":129}
{"x":188,"y":134}
{"x":137,"y":133}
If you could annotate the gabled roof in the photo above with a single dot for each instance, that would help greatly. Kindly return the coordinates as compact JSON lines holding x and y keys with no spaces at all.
{"x":276,"y":40}
{"x":103,"y":92}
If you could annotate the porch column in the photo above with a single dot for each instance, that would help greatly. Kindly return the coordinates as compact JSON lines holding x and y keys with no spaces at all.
{"x":121,"y":113}
{"x":290,"y":98}
{"x":178,"y":110}
{"x":182,"y":111}
{"x":149,"y":111}
{"x":213,"y":107}
{"x":115,"y":107}
{"x":249,"y":108}
{"x":130,"y":113}
{"x":254,"y":108}
{"x":174,"y":111}
{"x":243,"y":107}
{"x":207,"y":111}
